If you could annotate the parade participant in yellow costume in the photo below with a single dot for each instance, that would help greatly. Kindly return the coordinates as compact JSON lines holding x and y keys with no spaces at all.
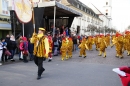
{"x":126,"y":45}
{"x":118,"y":42}
{"x":90,"y":42}
{"x":113,"y":37}
{"x":64,"y":47}
{"x":41,"y":49}
{"x":83,"y":47}
{"x":96,"y":42}
{"x":70,"y":47}
{"x":108,"y":39}
{"x":102,"y":45}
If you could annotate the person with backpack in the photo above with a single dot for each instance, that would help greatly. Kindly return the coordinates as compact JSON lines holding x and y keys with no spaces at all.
{"x":24,"y":49}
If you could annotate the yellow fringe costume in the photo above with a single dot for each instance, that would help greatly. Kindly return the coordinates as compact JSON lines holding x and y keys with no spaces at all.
{"x":90,"y":42}
{"x":64,"y":48}
{"x":118,"y":42}
{"x":70,"y":47}
{"x":42,"y":49}
{"x":96,"y":42}
{"x":83,"y":47}
{"x":102,"y":45}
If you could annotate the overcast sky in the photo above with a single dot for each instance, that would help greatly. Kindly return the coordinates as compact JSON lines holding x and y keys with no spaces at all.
{"x":120,"y":11}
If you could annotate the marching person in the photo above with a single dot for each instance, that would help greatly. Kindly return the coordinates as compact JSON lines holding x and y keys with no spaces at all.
{"x":103,"y":45}
{"x":83,"y":47}
{"x":41,"y":50}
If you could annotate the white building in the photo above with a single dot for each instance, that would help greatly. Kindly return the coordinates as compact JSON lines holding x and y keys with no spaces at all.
{"x":83,"y":25}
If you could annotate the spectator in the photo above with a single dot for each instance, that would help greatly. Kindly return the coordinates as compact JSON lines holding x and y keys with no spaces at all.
{"x":56,"y":44}
{"x":7,"y":40}
{"x":75,"y":43}
{"x":18,"y":44}
{"x":12,"y":47}
{"x":1,"y":51}
{"x":4,"y":49}
{"x":30,"y":50}
{"x":60,"y":42}
{"x":24,"y":48}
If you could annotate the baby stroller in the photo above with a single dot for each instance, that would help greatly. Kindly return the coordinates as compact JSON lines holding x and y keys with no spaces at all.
{"x":124,"y":74}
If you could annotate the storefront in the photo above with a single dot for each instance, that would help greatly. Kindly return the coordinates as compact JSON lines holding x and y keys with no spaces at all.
{"x":5,"y":26}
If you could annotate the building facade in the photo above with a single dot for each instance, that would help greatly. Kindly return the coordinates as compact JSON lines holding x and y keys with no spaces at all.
{"x":5,"y":26}
{"x":88,"y":23}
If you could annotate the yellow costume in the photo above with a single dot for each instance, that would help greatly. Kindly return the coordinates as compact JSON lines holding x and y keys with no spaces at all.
{"x":102,"y":45}
{"x":83,"y":47}
{"x":108,"y":39}
{"x":90,"y":42}
{"x":43,"y":46}
{"x":70,"y":47}
{"x":64,"y":48}
{"x":118,"y":42}
{"x":96,"y":42}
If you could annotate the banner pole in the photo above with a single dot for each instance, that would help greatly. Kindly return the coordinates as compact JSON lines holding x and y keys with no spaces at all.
{"x":33,"y":16}
{"x":23,"y":28}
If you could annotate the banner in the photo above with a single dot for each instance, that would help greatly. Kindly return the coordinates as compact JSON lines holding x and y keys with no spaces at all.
{"x":23,"y":10}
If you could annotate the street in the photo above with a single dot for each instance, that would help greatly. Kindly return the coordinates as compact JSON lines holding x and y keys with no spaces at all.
{"x":78,"y":71}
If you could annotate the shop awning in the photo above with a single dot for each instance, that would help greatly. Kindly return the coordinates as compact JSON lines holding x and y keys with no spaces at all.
{"x":61,"y":10}
{"x":5,"y":26}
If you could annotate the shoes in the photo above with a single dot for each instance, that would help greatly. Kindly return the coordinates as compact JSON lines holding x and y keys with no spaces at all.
{"x":49,"y":60}
{"x":38,"y":77}
{"x":12,"y":60}
{"x":25,"y":61}
{"x":20,"y":59}
{"x":84,"y":56}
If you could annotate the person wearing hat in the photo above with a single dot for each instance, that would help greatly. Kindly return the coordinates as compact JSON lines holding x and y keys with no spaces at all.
{"x":41,"y":50}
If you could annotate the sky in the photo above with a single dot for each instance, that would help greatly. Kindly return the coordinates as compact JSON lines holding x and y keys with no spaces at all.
{"x":120,"y":12}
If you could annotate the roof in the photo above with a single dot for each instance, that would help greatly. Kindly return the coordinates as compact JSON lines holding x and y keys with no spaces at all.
{"x":61,"y":10}
{"x":83,"y":7}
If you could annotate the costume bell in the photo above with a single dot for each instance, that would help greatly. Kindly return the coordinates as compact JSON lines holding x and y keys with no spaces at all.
{"x":41,"y":49}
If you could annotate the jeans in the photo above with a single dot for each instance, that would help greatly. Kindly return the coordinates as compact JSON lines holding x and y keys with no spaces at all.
{"x":55,"y":51}
{"x":75,"y":47}
{"x":31,"y":55}
{"x":12,"y":54}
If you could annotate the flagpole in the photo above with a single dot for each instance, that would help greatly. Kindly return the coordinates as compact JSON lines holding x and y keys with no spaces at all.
{"x":33,"y":16}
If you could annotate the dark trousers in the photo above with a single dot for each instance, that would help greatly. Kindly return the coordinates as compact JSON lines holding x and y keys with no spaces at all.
{"x":12,"y":54}
{"x":4,"y":57}
{"x":39,"y":62}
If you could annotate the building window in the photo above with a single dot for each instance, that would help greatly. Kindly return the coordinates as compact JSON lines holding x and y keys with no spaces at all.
{"x":81,"y":8}
{"x":77,"y":5}
{"x":106,"y":3}
{"x":84,"y":9}
{"x":5,"y":7}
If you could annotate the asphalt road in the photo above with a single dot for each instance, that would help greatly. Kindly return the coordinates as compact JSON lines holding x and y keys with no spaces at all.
{"x":90,"y":71}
